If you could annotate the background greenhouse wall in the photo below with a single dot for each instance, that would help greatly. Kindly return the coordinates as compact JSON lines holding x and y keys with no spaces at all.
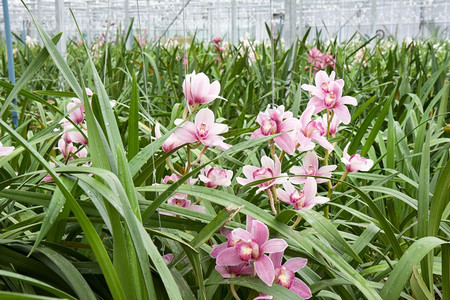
{"x":157,"y":18}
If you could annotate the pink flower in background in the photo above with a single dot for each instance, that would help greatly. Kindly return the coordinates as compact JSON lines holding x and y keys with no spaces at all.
{"x":355,"y":162}
{"x":47,"y":177}
{"x":77,"y":116}
{"x":89,"y":92}
{"x":81,"y":153}
{"x":251,"y":247}
{"x":217,"y":40}
{"x":198,"y":90}
{"x":66,"y":148}
{"x":314,"y":54}
{"x":185,"y":61}
{"x":311,"y":131}
{"x":311,"y":167}
{"x":203,"y":130}
{"x":285,"y":274}
{"x":329,"y":60}
{"x":5,"y":150}
{"x":171,"y":179}
{"x":168,"y":257}
{"x":305,"y":199}
{"x":181,"y":200}
{"x":333,"y":125}
{"x":274,"y":121}
{"x":233,"y":271}
{"x":269,"y":169}
{"x":213,"y":176}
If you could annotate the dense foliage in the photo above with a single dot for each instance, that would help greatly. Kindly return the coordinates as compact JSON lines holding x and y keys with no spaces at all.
{"x":102,"y":196}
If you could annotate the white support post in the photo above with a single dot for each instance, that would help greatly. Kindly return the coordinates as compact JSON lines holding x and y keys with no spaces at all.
{"x":127,"y":24}
{"x":373,"y":17}
{"x":290,"y":21}
{"x":233,"y":22}
{"x":59,"y":16}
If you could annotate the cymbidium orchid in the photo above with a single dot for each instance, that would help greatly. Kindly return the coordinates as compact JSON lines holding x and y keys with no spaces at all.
{"x":181,"y":200}
{"x":334,"y":124}
{"x":251,"y":248}
{"x":269,"y":169}
{"x":77,"y":115}
{"x":328,"y":96}
{"x":198,"y":90}
{"x":72,"y":134}
{"x":274,"y":121}
{"x":203,"y":130}
{"x":5,"y":150}
{"x":234,"y":271}
{"x":285,"y":274}
{"x":354,"y":163}
{"x":322,"y":81}
{"x":214,"y":176}
{"x":47,"y":177}
{"x":311,"y":131}
{"x":311,"y":167}
{"x":171,"y":142}
{"x":305,"y":199}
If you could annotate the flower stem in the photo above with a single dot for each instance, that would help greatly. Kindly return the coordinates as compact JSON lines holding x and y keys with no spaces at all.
{"x":169,"y":164}
{"x":341,"y":179}
{"x":282,"y":155}
{"x":188,"y":168}
{"x":200,"y":155}
{"x":272,"y":148}
{"x":299,"y":218}
{"x":272,"y":203}
{"x":233,"y":291}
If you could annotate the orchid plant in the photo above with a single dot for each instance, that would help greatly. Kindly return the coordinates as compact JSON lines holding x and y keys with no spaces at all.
{"x":244,"y":253}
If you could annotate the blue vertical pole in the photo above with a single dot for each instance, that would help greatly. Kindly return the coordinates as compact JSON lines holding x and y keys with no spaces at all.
{"x":9,"y":52}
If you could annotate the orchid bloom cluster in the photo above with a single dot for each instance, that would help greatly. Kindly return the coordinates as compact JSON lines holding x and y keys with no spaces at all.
{"x":303,"y":134}
{"x":72,"y":143}
{"x":320,"y":61}
{"x":221,"y":47}
{"x":203,"y":132}
{"x":72,"y":135}
{"x":245,"y":253}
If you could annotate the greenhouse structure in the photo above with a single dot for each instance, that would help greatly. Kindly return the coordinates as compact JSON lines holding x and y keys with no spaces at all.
{"x":225,"y":149}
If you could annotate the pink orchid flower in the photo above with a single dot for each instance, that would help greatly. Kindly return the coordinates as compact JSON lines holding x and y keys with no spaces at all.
{"x":274,"y":121}
{"x":72,"y":134}
{"x":328,"y":95}
{"x":217,"y":40}
{"x":213,"y":176}
{"x":203,"y":130}
{"x":171,"y":142}
{"x":174,"y":178}
{"x":334,"y":124}
{"x":311,"y":131}
{"x":47,"y":177}
{"x":168,"y":257}
{"x":5,"y":150}
{"x":355,"y":162}
{"x":233,"y":271}
{"x":306,"y":199}
{"x":77,"y":115}
{"x":314,"y":54}
{"x":285,"y":274}
{"x":322,"y":82}
{"x":182,"y":201}
{"x":311,"y":167}
{"x":66,"y":148}
{"x":269,"y":169}
{"x":198,"y":90}
{"x":251,"y":247}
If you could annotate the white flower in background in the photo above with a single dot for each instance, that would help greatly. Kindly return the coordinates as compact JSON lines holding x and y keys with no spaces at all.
{"x":30,"y":42}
